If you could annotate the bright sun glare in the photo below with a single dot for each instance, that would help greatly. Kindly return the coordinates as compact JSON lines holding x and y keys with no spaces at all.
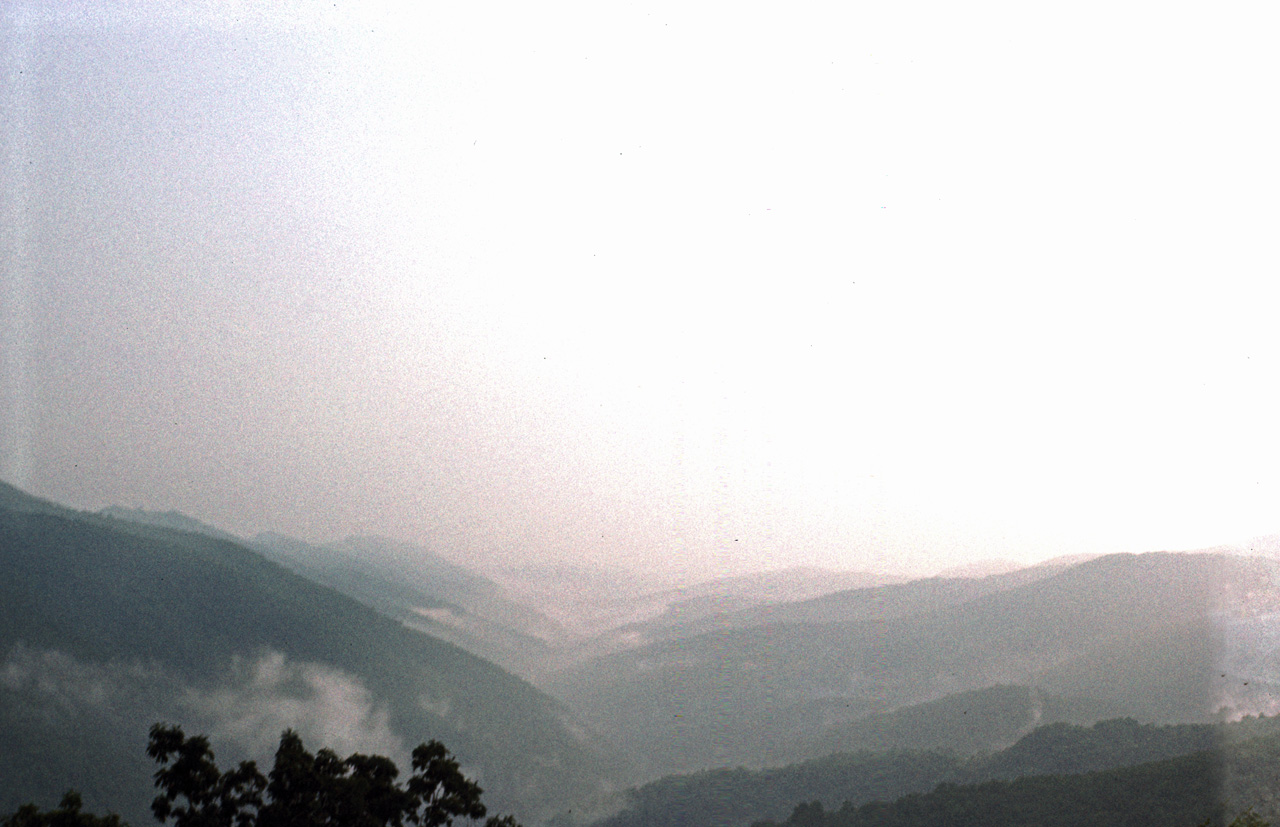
{"x":907,"y":284}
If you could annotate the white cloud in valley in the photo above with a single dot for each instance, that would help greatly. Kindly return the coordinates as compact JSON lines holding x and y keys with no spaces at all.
{"x":266,"y":695}
{"x":244,"y":710}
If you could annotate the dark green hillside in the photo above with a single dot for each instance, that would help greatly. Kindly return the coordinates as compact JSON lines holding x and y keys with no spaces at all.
{"x":969,"y":722}
{"x":1185,"y":791}
{"x":734,"y":798}
{"x":976,"y":721}
{"x":966,"y":722}
{"x":1182,"y":792}
{"x":1159,"y":672}
{"x":117,"y":622}
{"x":1065,"y":749}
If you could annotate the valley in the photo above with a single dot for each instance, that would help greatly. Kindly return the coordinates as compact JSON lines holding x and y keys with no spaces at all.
{"x":578,"y":696}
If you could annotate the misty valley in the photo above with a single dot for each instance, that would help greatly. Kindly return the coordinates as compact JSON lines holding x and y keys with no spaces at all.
{"x":1123,"y":689}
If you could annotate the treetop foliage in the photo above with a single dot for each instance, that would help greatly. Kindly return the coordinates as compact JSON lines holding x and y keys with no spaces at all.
{"x":306,"y":790}
{"x":67,"y":814}
{"x":302,"y":790}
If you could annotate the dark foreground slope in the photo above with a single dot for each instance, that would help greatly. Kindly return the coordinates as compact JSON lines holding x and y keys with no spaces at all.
{"x":738,"y":797}
{"x":106,"y":627}
{"x":1189,"y":790}
{"x":1182,"y":792}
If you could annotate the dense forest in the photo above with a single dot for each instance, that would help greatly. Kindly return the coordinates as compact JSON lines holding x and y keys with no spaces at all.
{"x":1181,"y":791}
{"x":737,"y":797}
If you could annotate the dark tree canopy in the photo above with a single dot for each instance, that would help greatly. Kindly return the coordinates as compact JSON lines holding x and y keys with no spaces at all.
{"x":306,"y":790}
{"x":67,"y":814}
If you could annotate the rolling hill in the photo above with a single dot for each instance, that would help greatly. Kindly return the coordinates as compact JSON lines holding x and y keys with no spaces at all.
{"x":1127,"y":634}
{"x":1206,"y":787}
{"x":739,"y":797}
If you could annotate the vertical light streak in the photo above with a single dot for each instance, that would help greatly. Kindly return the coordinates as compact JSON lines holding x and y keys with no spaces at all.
{"x":17,"y":327}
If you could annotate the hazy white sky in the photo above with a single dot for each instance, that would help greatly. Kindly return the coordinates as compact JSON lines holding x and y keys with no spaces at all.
{"x":884,"y":283}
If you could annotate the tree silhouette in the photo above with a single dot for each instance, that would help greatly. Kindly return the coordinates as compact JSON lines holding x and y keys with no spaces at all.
{"x":67,"y":814}
{"x":306,"y":790}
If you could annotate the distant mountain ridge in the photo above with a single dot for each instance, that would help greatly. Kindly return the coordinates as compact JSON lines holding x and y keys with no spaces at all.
{"x":406,"y":582}
{"x":426,"y":592}
{"x":175,"y":520}
{"x":1126,"y":634}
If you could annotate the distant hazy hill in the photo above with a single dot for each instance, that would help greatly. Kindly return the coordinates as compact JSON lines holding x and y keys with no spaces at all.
{"x":963,"y":723}
{"x":426,"y":592}
{"x":721,"y":599}
{"x":167,"y":519}
{"x":882,"y":601}
{"x":744,"y":600}
{"x":1139,"y":635}
{"x":596,"y":598}
{"x":108,"y":625}
{"x":615,"y":609}
{"x":981,"y":568}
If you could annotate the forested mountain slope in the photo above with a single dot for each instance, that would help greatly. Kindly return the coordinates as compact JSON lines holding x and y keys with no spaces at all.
{"x":738,"y":797}
{"x":107,"y":626}
{"x":1204,"y":787}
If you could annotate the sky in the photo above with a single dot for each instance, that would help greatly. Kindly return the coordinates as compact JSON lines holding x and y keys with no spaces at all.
{"x":697,"y":285}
